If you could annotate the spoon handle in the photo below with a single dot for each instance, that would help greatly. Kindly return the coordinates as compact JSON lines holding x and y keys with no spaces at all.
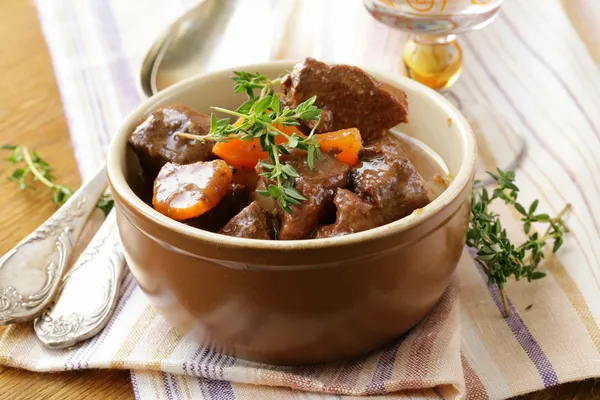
{"x":88,"y":294}
{"x":31,"y":271}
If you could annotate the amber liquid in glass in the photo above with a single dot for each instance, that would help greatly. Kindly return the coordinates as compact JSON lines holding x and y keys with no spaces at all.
{"x":431,"y":55}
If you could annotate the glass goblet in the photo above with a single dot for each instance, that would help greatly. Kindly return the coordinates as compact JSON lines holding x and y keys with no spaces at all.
{"x":433,"y":57}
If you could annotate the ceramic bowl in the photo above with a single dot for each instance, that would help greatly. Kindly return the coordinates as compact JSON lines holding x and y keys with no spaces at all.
{"x":305,"y":301}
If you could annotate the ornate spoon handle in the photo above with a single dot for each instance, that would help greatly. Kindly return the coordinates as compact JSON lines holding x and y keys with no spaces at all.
{"x":88,"y":294}
{"x":31,"y":271}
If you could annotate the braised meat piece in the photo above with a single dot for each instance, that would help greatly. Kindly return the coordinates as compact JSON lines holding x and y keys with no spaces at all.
{"x":155,"y":141}
{"x":353,"y":215}
{"x":318,"y":186}
{"x":252,"y":223}
{"x":391,"y":183}
{"x":238,"y":197}
{"x":387,"y":144}
{"x":349,"y":97}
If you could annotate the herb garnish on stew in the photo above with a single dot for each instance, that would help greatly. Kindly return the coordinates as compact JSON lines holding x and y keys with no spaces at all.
{"x":264,"y":118}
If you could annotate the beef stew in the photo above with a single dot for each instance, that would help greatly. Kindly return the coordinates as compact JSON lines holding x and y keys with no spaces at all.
{"x":324,"y":166}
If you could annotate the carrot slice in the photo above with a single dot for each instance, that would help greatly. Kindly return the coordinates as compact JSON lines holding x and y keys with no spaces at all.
{"x":245,"y":154}
{"x":346,"y":143}
{"x":239,"y":153}
{"x":187,"y":191}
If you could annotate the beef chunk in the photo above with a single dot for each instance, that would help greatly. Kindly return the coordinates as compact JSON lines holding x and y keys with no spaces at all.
{"x":388,"y":144}
{"x":234,"y":201}
{"x":252,"y":223}
{"x":306,"y":215}
{"x":245,"y":178}
{"x":391,"y":184}
{"x":349,"y":97}
{"x":318,"y":186}
{"x":155,"y":141}
{"x":353,"y":215}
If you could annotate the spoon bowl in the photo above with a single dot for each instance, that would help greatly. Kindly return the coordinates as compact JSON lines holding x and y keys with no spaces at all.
{"x":183,"y":49}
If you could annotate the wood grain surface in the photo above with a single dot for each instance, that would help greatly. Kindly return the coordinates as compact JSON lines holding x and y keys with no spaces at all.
{"x":31,"y":114}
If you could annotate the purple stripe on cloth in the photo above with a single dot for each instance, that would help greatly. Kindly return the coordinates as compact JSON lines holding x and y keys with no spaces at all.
{"x":226,"y":363}
{"x":166,"y":385}
{"x":559,"y":78}
{"x":86,"y":352}
{"x":522,"y":334}
{"x":191,"y":364}
{"x":98,"y":340}
{"x":349,"y":373}
{"x":194,"y":367}
{"x":212,"y":359}
{"x":79,"y":47}
{"x":540,"y":140}
{"x":385,"y":366}
{"x":120,"y":68}
{"x":220,"y":390}
{"x":536,"y":183}
{"x":211,"y":362}
{"x":71,"y":362}
{"x":173,"y":383}
{"x":64,"y":76}
{"x":135,"y":385}
{"x":562,"y":83}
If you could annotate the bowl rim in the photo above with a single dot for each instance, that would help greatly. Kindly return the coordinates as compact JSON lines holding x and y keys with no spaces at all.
{"x":119,"y":185}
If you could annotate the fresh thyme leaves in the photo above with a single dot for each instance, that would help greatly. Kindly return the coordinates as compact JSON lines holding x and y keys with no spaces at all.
{"x":496,"y":254}
{"x":32,"y":168}
{"x":105,"y":203}
{"x":246,"y":82}
{"x":264,"y":118}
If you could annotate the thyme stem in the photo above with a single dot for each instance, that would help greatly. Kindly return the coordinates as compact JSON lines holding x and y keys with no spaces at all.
{"x":34,"y":170}
{"x":504,"y":303}
{"x":261,"y":119}
{"x":499,"y":257}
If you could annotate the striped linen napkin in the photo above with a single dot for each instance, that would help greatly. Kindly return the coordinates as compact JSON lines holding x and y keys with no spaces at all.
{"x":530,"y":64}
{"x":426,"y":360}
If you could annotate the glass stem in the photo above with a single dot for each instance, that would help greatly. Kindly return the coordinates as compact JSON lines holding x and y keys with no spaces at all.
{"x":433,"y":60}
{"x":432,"y":39}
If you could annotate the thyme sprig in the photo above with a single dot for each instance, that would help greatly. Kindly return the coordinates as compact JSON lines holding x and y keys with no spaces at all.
{"x":496,"y":254}
{"x":32,"y":169}
{"x":263,"y":117}
{"x":247,"y":82}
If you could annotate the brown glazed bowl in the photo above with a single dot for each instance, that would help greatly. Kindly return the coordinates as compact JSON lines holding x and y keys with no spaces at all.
{"x":305,"y":301}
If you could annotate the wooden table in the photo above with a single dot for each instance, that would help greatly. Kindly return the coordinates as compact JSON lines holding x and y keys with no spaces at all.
{"x":31,"y":114}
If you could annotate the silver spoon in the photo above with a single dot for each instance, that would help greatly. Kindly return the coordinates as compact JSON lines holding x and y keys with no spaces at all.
{"x":88,"y":294}
{"x":182,"y":50}
{"x":31,"y":271}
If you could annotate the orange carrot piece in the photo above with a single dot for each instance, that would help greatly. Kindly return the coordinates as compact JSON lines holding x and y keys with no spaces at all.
{"x":245,"y":154}
{"x":346,"y":143}
{"x":187,"y":191}
{"x":239,"y":153}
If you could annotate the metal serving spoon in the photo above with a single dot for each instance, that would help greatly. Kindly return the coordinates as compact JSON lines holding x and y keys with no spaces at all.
{"x":89,"y":293}
{"x":31,"y":271}
{"x":183,"y":49}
